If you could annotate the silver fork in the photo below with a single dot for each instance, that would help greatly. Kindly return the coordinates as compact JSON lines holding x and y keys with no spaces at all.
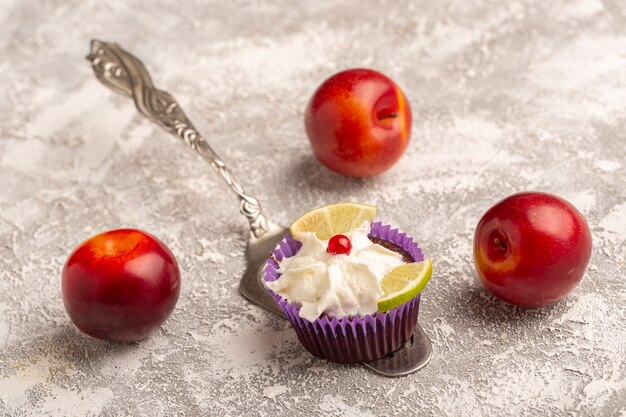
{"x":126,"y":74}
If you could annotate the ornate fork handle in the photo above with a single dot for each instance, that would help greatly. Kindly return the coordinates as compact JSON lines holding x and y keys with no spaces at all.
{"x":125,"y":74}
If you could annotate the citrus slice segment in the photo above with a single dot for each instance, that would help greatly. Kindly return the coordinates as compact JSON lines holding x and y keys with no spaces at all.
{"x":334,"y":219}
{"x":403,"y":283}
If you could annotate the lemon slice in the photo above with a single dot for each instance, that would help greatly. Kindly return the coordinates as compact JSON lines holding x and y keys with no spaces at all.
{"x":331,"y":220}
{"x":403,"y":283}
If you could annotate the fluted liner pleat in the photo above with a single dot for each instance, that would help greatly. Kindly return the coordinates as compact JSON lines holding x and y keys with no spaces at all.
{"x":350,"y":339}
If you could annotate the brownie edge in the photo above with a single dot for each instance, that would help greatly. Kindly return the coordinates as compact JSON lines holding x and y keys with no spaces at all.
{"x":406,"y":256}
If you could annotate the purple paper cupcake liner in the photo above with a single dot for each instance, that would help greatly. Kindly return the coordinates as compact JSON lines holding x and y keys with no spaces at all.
{"x":350,"y":339}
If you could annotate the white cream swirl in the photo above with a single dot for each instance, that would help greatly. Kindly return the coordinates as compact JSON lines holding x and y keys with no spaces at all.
{"x":335,"y":285}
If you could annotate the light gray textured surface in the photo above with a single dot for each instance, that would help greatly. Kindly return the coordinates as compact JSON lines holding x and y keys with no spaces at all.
{"x":506,"y":95}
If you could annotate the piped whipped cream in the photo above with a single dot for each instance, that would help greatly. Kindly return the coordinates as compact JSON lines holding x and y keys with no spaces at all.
{"x":335,"y":285}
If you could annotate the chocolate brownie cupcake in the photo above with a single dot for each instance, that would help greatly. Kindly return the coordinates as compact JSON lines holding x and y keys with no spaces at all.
{"x":333,"y":300}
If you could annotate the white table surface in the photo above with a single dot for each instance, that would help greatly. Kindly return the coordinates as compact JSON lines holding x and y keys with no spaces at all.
{"x":506,"y":95}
